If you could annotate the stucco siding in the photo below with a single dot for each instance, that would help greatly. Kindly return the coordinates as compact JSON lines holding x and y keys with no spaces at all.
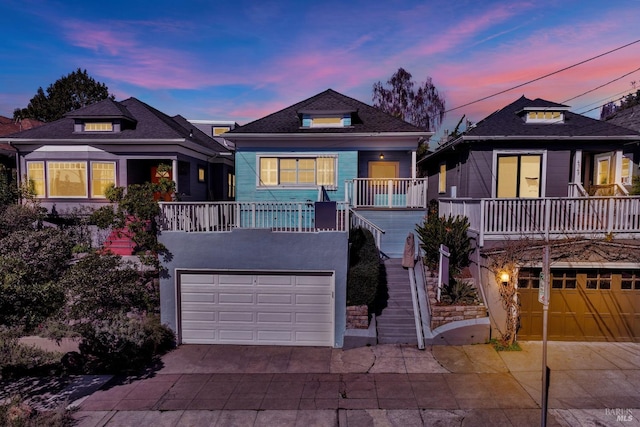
{"x":256,"y":250}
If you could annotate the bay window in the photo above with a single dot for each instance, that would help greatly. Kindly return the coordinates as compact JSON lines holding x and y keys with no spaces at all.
{"x":70,"y":179}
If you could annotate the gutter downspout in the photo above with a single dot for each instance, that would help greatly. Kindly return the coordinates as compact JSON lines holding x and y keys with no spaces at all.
{"x":18,"y":175}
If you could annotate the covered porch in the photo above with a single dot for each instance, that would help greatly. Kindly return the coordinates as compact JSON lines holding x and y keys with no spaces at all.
{"x":547,"y":218}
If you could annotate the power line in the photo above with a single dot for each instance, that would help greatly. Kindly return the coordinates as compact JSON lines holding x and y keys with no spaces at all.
{"x":543,"y":77}
{"x":602,"y":85}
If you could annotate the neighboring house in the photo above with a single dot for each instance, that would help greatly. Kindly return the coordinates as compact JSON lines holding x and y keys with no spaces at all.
{"x":73,"y":160}
{"x":7,"y":127}
{"x":628,"y":118}
{"x":275,"y":266}
{"x":536,"y":171}
{"x":216,"y":129}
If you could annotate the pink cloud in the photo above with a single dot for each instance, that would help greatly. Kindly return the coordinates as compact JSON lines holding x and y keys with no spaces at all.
{"x":466,"y":30}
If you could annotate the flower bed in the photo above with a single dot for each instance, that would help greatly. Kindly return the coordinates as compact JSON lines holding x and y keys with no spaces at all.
{"x":442,"y":314}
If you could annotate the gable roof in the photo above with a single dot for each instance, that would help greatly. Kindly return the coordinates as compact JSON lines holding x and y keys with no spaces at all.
{"x":146,"y":123}
{"x":365,"y":118}
{"x":628,"y":118}
{"x":509,"y":122}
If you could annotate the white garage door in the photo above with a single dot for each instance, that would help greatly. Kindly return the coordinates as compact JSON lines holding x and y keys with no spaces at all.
{"x":256,"y":308}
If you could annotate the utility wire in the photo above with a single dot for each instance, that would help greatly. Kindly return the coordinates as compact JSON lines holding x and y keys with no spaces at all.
{"x":602,"y":85}
{"x":543,"y":77}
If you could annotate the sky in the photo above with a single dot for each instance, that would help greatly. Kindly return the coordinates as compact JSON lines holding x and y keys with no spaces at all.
{"x":242,"y":60}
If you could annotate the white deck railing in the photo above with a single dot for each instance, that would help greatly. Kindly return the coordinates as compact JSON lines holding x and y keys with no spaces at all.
{"x":548,"y":218}
{"x":226,"y":216}
{"x":358,"y":220}
{"x":386,"y":193}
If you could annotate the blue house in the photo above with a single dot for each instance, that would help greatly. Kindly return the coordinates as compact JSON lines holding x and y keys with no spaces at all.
{"x":271,"y":267}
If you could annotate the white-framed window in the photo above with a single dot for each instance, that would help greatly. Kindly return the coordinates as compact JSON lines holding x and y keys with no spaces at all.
{"x":35,"y":175}
{"x":98,"y":127}
{"x":219,"y":130}
{"x":103,"y":175}
{"x":545,"y":117}
{"x":71,"y":179}
{"x":519,"y":173}
{"x":442,"y":178}
{"x":326,"y":120}
{"x":231,"y":185}
{"x":626,"y":175}
{"x":67,"y":179}
{"x":297,"y":171}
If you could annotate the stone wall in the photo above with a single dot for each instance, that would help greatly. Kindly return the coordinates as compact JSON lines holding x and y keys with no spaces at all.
{"x":443,"y":314}
{"x":357,"y":317}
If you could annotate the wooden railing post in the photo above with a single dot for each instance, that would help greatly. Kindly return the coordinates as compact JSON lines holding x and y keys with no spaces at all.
{"x":547,"y":219}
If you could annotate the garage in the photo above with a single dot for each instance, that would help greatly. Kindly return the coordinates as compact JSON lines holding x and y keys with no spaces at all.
{"x":255,"y":307}
{"x":584,"y":305}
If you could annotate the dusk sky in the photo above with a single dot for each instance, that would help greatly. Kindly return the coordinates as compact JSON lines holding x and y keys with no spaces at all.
{"x":241,"y":60}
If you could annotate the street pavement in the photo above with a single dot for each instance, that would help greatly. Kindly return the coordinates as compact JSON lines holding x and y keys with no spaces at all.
{"x":592,"y":384}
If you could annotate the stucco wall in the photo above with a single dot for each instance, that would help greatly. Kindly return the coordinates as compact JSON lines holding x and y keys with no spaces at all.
{"x":249,"y":249}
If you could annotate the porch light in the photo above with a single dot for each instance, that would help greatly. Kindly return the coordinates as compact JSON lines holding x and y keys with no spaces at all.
{"x":504,"y":278}
{"x":381,"y":156}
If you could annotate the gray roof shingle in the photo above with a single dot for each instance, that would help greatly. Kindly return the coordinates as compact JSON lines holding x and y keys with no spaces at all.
{"x":365,"y":118}
{"x":509,"y":121}
{"x":628,"y":118}
{"x":144,"y":123}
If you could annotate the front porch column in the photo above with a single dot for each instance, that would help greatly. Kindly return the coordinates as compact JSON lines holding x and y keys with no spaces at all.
{"x":577,"y":172}
{"x":413,"y":164}
{"x":174,"y":173}
{"x":617,"y":173}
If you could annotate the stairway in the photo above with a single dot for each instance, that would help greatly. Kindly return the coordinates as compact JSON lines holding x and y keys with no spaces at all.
{"x":120,"y":242}
{"x":396,"y":324}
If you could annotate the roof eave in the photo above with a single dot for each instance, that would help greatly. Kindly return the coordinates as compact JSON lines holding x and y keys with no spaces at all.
{"x":267,"y":136}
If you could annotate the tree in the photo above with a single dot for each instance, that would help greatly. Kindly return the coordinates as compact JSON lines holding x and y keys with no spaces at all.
{"x":424,"y":107}
{"x":68,"y":93}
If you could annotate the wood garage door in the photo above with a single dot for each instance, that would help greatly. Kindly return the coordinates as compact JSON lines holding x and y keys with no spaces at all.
{"x":584,"y":305}
{"x":256,"y":308}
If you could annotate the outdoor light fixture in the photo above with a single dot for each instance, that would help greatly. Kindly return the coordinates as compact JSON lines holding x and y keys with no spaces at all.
{"x":381,"y":156}
{"x":504,"y":278}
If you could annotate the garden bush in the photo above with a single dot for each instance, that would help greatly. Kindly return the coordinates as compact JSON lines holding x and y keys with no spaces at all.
{"x":450,"y":231}
{"x":124,"y":343}
{"x":31,"y":263}
{"x":363,"y":278}
{"x":100,"y":286}
{"x":18,"y":359}
{"x":459,"y":292}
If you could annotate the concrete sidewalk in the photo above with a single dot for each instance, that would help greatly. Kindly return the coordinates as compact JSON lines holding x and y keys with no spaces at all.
{"x":591,"y":384}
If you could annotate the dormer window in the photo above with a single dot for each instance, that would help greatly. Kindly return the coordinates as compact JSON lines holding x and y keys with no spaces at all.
{"x":545,"y":117}
{"x":326,"y":120}
{"x":98,"y":127}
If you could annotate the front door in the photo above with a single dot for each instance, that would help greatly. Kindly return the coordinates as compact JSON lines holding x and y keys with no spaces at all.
{"x":383,"y":170}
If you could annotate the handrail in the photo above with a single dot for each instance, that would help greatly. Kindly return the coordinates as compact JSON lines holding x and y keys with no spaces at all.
{"x":417,"y":313}
{"x":422,"y":313}
{"x":358,"y":220}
